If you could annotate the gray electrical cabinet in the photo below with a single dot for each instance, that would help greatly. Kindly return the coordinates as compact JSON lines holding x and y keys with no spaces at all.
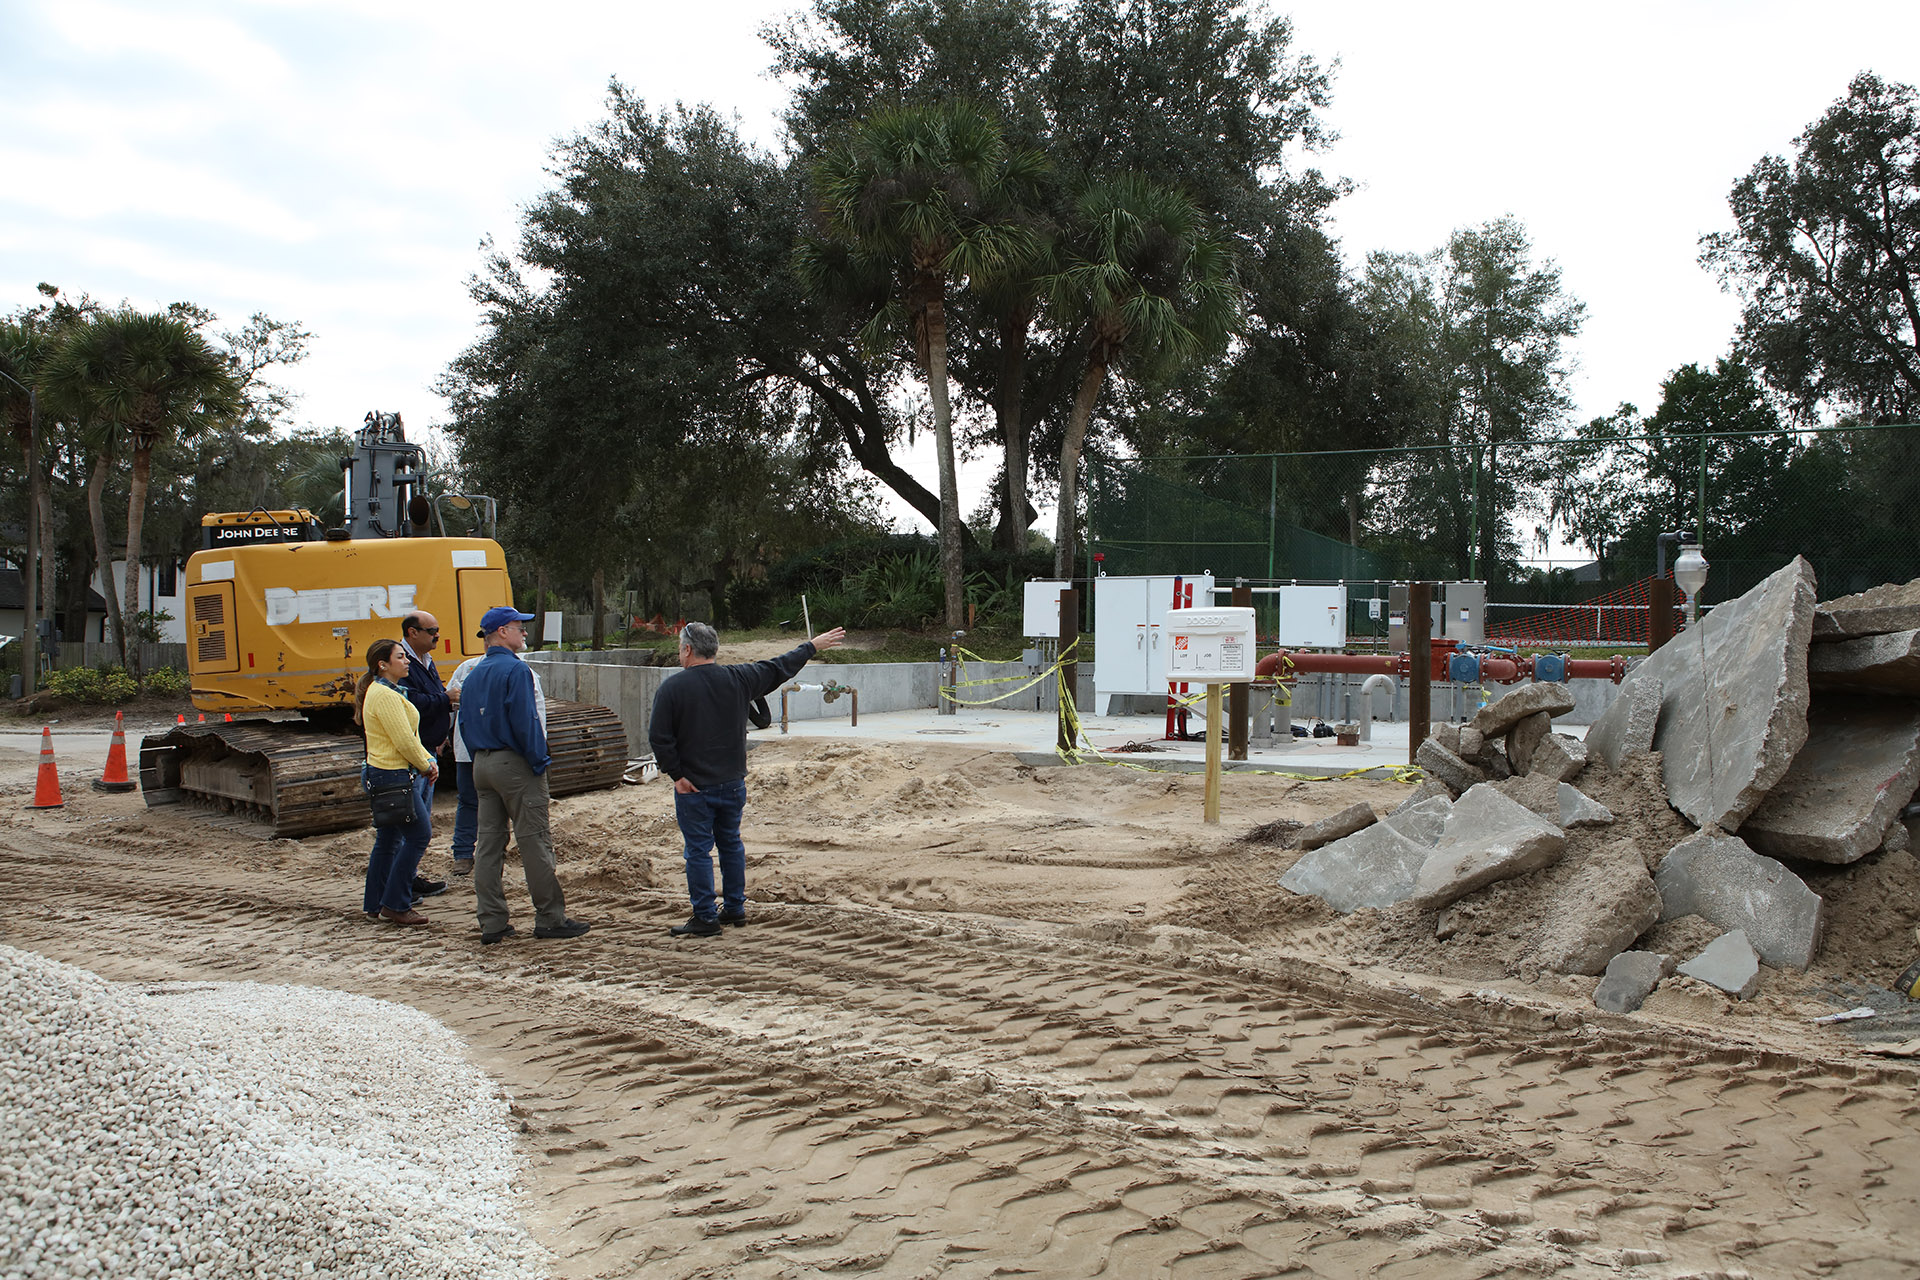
{"x":1459,"y":612}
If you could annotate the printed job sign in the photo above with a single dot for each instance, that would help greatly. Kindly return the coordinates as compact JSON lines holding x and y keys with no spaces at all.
{"x":1210,"y":646}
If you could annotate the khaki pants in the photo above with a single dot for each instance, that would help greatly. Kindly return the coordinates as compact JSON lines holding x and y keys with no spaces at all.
{"x":510,"y":791}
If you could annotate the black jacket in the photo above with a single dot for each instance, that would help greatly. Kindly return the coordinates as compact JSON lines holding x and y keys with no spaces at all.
{"x":699,"y":725}
{"x":425,"y":690}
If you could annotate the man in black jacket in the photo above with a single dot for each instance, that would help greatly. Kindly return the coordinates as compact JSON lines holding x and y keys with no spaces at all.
{"x":426,"y":691}
{"x":699,"y":736}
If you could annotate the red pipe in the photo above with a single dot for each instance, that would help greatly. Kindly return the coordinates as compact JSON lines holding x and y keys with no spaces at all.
{"x":1367,"y":664}
{"x":1285,"y":664}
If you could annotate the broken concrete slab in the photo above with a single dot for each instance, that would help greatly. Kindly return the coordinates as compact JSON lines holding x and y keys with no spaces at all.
{"x":1472,"y":746}
{"x":1630,"y":978}
{"x":1578,"y":809}
{"x":1497,"y":765}
{"x":1857,"y":770}
{"x":1522,"y":701}
{"x":1599,"y":911}
{"x":1487,"y":837}
{"x":1559,"y":757}
{"x":1733,"y":706}
{"x":1877,"y":611}
{"x":1374,"y":867}
{"x":1446,"y":733}
{"x":1537,"y":792}
{"x":1871,"y":664}
{"x":1334,"y":826}
{"x":1729,"y":963}
{"x":1629,"y":724}
{"x":1422,"y":823}
{"x":1525,"y":738}
{"x":1449,"y":768}
{"x":1720,"y":878}
{"x":1427,"y":790}
{"x":1898,"y":839}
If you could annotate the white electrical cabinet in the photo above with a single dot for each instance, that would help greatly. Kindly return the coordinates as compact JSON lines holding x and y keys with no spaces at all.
{"x":1313,"y":617}
{"x":1041,"y":616}
{"x":1130,"y":653}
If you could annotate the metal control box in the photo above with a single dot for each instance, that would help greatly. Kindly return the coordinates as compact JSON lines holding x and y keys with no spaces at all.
{"x":1042,"y":609}
{"x":1210,"y":646}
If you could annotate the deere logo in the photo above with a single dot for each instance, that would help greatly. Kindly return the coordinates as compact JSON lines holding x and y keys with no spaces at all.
{"x":337,"y":604}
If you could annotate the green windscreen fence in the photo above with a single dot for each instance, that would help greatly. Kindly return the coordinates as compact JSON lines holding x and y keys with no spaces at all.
{"x":1541,"y":522}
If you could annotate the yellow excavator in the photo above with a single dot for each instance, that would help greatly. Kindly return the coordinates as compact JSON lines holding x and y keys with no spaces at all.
{"x":279,"y":614}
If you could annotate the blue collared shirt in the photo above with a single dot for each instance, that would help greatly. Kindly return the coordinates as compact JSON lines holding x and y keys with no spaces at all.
{"x":499,"y":710}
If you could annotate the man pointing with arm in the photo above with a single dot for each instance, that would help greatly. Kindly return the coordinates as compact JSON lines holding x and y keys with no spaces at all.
{"x":699,"y":736}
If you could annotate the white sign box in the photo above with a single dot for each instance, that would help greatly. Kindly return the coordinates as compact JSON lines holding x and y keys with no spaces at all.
{"x":1209,"y":646}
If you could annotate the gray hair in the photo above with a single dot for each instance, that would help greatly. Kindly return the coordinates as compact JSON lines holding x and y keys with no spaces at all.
{"x":701,"y":638}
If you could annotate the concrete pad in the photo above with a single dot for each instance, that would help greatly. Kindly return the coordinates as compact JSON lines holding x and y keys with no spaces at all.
{"x":1629,"y":724}
{"x":1333,"y":827}
{"x":1374,"y":867}
{"x":1447,"y":767}
{"x":1427,"y":790}
{"x":1496,"y":718}
{"x":1559,"y":757}
{"x":1731,"y":721}
{"x":1873,"y":664}
{"x":1578,"y":809}
{"x":1525,"y":738}
{"x":1729,"y":963}
{"x":1599,"y":911}
{"x":1422,"y":823}
{"x":1858,"y":769}
{"x":1721,"y":879}
{"x":1876,"y":611}
{"x":1630,"y":978}
{"x":1487,"y":837}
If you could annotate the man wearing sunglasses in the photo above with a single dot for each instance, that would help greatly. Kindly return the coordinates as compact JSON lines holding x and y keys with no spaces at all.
{"x":420,"y":632}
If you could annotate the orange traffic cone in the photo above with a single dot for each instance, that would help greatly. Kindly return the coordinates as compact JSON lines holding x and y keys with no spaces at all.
{"x":201,"y":719}
{"x":180,"y":719}
{"x":46,"y":789}
{"x":115,"y":778}
{"x":229,"y":719}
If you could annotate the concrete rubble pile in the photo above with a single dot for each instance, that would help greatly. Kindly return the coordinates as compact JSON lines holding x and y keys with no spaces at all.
{"x":1783,"y":731}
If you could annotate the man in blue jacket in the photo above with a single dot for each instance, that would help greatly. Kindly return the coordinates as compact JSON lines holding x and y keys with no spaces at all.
{"x":698,"y":731}
{"x":500,"y":723}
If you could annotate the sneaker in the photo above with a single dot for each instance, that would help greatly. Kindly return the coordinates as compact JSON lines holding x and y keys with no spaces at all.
{"x":695,"y":927}
{"x":463,"y":866}
{"x":565,"y":929}
{"x":408,"y":916}
{"x":425,"y":888}
{"x":733,"y":918}
{"x":498,"y":935}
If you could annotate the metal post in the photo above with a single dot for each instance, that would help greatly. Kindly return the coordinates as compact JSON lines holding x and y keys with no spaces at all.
{"x":1420,"y":665}
{"x":1473,"y":522}
{"x":1238,"y":694}
{"x":1273,"y":510}
{"x":1659,"y":613}
{"x":1064,"y":738}
{"x":1700,"y":524}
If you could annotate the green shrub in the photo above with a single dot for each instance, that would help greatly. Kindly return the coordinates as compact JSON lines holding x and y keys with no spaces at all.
{"x":167,"y":682}
{"x":88,"y":684}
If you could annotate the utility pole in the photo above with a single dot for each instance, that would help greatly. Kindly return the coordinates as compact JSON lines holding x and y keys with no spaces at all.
{"x":30,"y":573}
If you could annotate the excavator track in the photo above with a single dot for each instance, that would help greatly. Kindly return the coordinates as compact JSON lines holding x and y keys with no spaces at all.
{"x":304,"y":779}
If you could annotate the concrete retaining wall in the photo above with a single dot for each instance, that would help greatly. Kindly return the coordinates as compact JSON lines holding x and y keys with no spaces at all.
{"x":884,"y":686}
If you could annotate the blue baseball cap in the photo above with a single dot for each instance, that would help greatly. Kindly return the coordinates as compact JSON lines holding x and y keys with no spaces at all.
{"x":499,"y":616}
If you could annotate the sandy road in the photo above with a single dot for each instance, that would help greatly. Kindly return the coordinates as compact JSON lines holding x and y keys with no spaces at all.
{"x":870,"y":1089}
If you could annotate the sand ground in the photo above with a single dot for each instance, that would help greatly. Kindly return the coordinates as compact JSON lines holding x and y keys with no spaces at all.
{"x":993,"y":1020}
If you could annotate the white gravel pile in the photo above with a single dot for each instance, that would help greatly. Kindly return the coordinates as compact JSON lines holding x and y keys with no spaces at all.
{"x":236,"y":1129}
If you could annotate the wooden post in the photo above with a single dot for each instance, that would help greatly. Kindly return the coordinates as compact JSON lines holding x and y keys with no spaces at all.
{"x":1212,"y":804}
{"x":1420,"y":660}
{"x":1239,"y":700}
{"x":1069,"y":667}
{"x":1659,"y":613}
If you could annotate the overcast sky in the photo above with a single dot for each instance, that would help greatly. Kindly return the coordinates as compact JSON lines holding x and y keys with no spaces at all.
{"x":338,"y":163}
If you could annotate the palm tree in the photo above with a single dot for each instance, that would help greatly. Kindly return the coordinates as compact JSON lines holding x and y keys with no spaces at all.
{"x":1154,"y":290}
{"x":909,"y":191}
{"x":150,"y":376}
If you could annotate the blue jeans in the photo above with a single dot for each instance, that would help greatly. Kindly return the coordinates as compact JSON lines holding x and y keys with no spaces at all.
{"x":397,"y":850}
{"x":466,"y":817}
{"x":710,"y":819}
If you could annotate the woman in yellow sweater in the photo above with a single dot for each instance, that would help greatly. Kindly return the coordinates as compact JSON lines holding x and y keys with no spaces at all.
{"x":394,"y":753}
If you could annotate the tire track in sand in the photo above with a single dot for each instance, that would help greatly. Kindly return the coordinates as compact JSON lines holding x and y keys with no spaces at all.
{"x":834,"y":1089}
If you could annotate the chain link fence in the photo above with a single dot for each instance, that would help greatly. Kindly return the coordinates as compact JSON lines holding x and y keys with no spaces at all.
{"x":1545,"y":524}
